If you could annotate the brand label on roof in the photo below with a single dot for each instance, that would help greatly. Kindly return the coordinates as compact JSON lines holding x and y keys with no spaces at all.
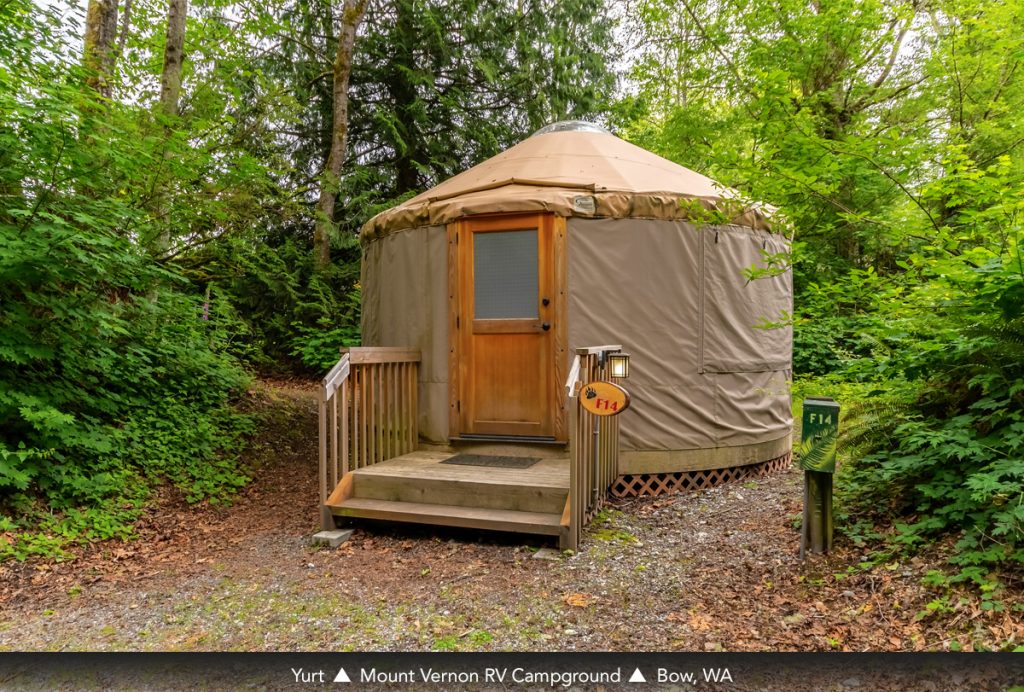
{"x":584,"y":204}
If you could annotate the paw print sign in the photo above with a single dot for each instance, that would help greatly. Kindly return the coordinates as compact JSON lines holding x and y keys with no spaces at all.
{"x":604,"y":398}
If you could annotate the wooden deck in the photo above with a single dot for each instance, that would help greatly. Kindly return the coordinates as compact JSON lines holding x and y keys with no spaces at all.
{"x":418,"y":488}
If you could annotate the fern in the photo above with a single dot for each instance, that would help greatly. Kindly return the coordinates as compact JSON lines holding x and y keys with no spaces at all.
{"x":817,"y":453}
{"x":936,"y":446}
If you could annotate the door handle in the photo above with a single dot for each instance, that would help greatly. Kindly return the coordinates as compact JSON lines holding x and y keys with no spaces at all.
{"x":545,"y":326}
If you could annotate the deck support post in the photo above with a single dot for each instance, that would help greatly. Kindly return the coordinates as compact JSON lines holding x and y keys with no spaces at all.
{"x":568,"y":537}
{"x":322,"y":453}
{"x":327,"y":519}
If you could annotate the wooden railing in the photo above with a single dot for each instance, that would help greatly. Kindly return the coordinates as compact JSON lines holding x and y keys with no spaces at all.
{"x":593,"y":442}
{"x":368,"y":414}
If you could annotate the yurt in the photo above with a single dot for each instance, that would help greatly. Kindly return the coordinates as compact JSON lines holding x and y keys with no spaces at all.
{"x":572,"y":238}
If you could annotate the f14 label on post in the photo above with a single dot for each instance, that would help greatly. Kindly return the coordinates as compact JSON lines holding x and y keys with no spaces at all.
{"x":817,"y":450}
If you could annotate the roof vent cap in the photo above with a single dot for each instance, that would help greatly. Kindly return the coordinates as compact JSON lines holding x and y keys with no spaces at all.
{"x":571,"y":126}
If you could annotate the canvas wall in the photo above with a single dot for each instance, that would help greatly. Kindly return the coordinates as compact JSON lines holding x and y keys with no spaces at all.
{"x":703,"y":376}
{"x":405,"y":303}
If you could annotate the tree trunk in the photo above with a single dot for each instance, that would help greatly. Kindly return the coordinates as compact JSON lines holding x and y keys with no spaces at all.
{"x":98,"y":45}
{"x":98,"y":60}
{"x":126,"y":18}
{"x":174,"y":57}
{"x":351,"y":16}
{"x":170,"y":94}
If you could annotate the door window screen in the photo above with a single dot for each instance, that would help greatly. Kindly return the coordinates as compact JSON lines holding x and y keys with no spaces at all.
{"x":505,"y":275}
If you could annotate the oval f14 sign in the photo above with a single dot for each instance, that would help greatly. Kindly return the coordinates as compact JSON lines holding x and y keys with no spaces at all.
{"x":604,"y":398}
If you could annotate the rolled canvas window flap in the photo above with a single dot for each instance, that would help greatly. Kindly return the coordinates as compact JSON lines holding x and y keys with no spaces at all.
{"x":736,"y":311}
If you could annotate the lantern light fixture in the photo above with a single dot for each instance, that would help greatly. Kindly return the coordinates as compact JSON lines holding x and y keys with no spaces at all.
{"x":618,"y":365}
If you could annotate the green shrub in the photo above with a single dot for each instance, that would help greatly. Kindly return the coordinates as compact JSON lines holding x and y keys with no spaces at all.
{"x":317,"y":346}
{"x":938,"y":447}
{"x":116,"y":372}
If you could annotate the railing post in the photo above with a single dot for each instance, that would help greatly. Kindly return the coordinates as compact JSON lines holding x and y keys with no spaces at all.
{"x":334,"y":439}
{"x":574,"y":495}
{"x":595,"y":480}
{"x":344,"y":392}
{"x":326,"y":518}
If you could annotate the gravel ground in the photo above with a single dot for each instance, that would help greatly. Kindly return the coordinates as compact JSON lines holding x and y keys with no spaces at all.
{"x":709,"y":571}
{"x":641,"y":582}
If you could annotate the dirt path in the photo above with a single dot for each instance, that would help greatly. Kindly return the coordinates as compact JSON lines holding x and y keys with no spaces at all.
{"x":709,"y":571}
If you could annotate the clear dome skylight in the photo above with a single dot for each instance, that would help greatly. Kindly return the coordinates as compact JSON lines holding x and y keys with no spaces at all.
{"x":570,"y":126}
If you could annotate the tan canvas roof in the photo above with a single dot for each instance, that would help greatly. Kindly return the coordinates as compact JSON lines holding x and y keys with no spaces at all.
{"x":571,"y":173}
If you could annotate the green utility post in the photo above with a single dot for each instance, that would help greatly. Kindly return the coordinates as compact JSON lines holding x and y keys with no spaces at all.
{"x":818,"y":460}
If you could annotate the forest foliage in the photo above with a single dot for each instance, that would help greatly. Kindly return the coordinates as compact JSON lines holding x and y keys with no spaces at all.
{"x":156,"y":243}
{"x":889,"y":135}
{"x":151,"y":258}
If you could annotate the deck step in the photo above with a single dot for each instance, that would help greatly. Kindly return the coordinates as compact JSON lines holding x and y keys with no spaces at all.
{"x":548,"y":524}
{"x":495,"y":493}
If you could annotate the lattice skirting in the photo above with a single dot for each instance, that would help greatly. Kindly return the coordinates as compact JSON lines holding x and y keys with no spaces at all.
{"x":634,"y":485}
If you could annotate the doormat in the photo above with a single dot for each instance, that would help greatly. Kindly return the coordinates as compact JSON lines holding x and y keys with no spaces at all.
{"x":493,"y":462}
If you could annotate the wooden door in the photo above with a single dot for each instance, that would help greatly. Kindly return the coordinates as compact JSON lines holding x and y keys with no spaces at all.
{"x":508,"y":321}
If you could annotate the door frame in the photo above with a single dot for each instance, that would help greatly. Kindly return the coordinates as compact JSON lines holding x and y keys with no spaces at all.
{"x":557,"y":397}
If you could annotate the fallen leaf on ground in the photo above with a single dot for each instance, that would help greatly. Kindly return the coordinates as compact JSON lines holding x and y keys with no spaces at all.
{"x":578,"y":600}
{"x":700,"y":622}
